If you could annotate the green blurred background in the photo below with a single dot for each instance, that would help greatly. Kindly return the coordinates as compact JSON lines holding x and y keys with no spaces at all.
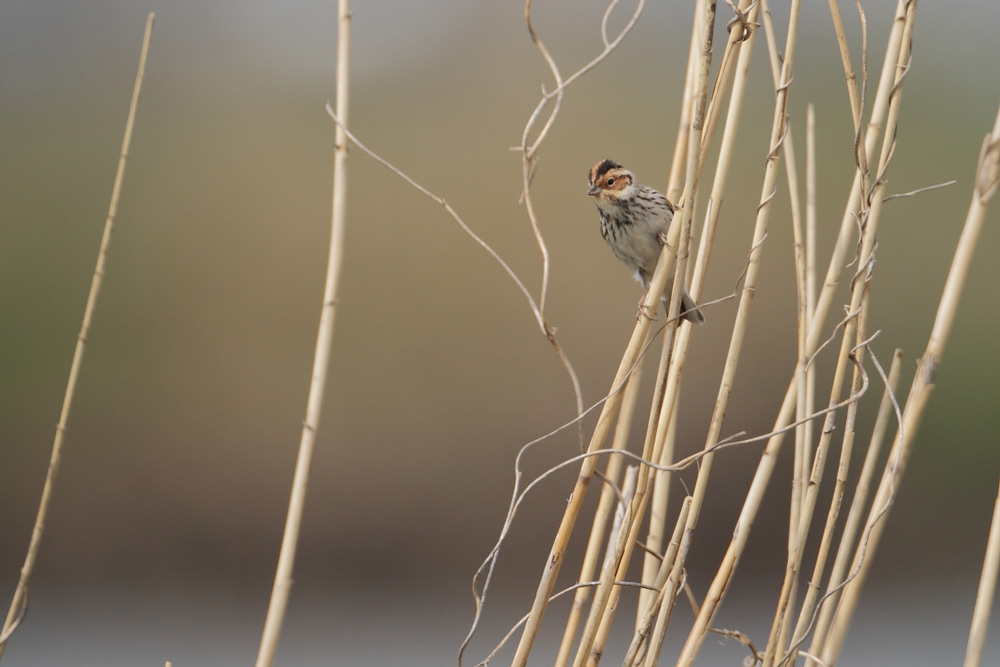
{"x":167,"y":518}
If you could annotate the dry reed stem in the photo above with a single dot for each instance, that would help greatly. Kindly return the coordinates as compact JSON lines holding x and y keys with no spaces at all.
{"x":778,"y":130}
{"x":845,"y":57}
{"x":607,"y":615}
{"x":870,"y":215}
{"x":802,"y":454}
{"x":702,"y":35}
{"x":699,"y":103}
{"x":826,"y":540}
{"x":19,"y":602}
{"x":987,"y":584}
{"x":556,"y":555}
{"x":666,"y":422}
{"x":597,"y":531}
{"x":606,"y":595}
{"x":648,"y":614}
{"x":987,"y":179}
{"x":662,"y":423}
{"x":852,"y":333}
{"x":675,"y":583}
{"x":683,"y":337}
{"x":810,"y":612}
{"x":807,"y":374}
{"x":984,"y":596}
{"x":281,"y":589}
{"x":658,"y":513}
{"x":858,"y":504}
{"x":784,"y":419}
{"x":723,"y":80}
{"x":726,"y":151}
{"x":675,"y":181}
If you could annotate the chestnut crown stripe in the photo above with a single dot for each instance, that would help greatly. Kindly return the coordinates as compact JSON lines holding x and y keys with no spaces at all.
{"x":603,"y":168}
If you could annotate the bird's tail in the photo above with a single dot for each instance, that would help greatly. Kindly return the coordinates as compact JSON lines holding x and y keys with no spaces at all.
{"x":690,"y":310}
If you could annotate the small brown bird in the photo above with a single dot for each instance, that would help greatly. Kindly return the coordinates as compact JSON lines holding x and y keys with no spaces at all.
{"x":634,"y":221}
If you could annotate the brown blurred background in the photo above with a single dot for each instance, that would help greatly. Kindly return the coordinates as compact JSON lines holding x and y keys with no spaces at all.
{"x":168,"y":514}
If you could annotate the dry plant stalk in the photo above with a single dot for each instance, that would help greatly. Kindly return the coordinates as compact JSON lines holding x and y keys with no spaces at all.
{"x":324,"y":344}
{"x":984,"y":597}
{"x":987,"y":178}
{"x":608,"y":496}
{"x":19,"y":603}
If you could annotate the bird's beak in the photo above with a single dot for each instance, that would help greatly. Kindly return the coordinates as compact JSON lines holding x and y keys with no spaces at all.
{"x":593,"y":190}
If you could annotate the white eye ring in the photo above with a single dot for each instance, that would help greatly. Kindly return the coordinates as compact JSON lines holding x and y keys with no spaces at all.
{"x":611,"y":181}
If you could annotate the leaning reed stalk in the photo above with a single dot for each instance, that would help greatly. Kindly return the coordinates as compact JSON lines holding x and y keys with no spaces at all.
{"x":659,"y":600}
{"x":768,"y":459}
{"x":281,"y":589}
{"x":630,"y":504}
{"x":658,"y":510}
{"x":701,"y":263}
{"x":778,"y":129}
{"x":801,"y":450}
{"x":595,"y":637}
{"x":605,"y":508}
{"x":675,"y":180}
{"x":845,"y":57}
{"x":858,"y":505}
{"x":677,"y":555}
{"x":723,"y":80}
{"x":785,"y":614}
{"x":984,"y":596}
{"x":637,"y":343}
{"x":808,"y":619}
{"x":19,"y":602}
{"x":852,"y":335}
{"x":663,"y":422}
{"x":801,"y":458}
{"x":987,"y":180}
{"x":809,"y":375}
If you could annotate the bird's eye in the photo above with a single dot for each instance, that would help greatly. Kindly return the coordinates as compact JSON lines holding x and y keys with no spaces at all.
{"x":611,"y":181}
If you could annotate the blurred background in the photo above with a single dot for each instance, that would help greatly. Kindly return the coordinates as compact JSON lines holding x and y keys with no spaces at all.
{"x":165,"y":527}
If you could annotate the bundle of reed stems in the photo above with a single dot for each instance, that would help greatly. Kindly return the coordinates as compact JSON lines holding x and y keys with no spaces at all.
{"x":633,"y":520}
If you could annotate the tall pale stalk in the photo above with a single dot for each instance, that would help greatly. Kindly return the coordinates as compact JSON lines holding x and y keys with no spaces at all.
{"x":19,"y":602}
{"x":321,"y":359}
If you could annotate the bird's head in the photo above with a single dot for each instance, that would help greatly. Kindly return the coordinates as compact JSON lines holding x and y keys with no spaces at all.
{"x":611,"y":182}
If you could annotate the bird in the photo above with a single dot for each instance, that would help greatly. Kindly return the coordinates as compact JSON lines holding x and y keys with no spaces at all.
{"x":634,"y":221}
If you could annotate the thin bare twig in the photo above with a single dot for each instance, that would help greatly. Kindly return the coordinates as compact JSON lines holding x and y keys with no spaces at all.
{"x":447,"y":207}
{"x":919,"y":190}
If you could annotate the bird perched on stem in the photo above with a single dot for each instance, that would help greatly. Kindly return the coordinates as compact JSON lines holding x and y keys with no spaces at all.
{"x":634,"y":221}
